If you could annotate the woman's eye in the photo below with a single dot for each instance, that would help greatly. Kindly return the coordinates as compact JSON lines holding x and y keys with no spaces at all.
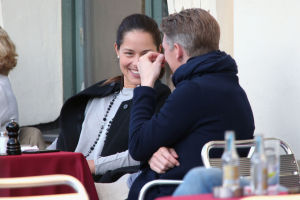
{"x":128,"y":53}
{"x":144,"y":52}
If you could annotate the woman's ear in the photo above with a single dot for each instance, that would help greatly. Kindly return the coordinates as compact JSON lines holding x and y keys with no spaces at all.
{"x":117,"y":50}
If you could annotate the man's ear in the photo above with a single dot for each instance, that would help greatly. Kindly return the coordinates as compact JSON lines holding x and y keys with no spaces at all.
{"x":116,"y":49}
{"x":179,"y":52}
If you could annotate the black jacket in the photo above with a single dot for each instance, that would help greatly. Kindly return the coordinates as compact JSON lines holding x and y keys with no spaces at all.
{"x":72,"y":117}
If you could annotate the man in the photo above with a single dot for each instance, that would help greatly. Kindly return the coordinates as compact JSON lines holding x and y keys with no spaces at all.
{"x":207,"y":101}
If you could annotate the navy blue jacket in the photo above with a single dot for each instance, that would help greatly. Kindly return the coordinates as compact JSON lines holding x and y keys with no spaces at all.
{"x":207,"y":101}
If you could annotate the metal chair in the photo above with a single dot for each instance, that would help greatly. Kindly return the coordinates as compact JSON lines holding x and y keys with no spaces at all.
{"x":289,"y":171}
{"x":46,"y":180}
{"x":153,"y":183}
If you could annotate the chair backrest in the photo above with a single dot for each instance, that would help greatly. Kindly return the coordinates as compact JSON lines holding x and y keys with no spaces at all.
{"x":153,"y":183}
{"x":46,"y":180}
{"x":289,"y":171}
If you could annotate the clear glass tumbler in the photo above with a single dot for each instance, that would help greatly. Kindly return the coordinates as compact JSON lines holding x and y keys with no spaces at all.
{"x":272,"y":148}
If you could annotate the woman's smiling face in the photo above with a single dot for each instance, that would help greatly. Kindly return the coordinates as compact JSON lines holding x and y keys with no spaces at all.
{"x":135,"y":44}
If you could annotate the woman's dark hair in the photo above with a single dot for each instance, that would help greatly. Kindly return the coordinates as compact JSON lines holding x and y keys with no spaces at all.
{"x":136,"y":22}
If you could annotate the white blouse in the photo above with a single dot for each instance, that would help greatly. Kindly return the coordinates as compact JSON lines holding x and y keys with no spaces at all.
{"x":8,"y":103}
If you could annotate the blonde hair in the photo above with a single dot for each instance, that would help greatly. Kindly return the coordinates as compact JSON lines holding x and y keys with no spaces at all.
{"x":8,"y":53}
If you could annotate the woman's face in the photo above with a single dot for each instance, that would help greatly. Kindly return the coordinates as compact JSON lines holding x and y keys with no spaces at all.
{"x":135,"y":44}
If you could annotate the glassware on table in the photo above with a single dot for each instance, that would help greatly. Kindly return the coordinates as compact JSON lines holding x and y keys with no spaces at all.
{"x":230,"y":167}
{"x":259,"y":168}
{"x":230,"y":162}
{"x":272,"y":147}
{"x":3,"y":142}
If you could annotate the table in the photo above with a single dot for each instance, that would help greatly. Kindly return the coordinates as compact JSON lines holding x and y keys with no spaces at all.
{"x":70,"y":163}
{"x":210,"y":197}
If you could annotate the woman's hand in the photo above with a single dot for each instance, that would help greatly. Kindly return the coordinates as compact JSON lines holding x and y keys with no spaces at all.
{"x":91,"y":164}
{"x":163,"y":159}
{"x":149,"y":67}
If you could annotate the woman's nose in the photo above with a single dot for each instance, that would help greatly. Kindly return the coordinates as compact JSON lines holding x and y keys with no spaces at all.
{"x":136,"y":60}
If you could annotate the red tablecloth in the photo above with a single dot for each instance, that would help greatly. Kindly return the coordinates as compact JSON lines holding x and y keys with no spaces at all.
{"x":70,"y":163}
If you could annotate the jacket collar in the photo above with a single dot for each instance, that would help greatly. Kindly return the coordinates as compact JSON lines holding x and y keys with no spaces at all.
{"x":97,"y":90}
{"x":212,"y":62}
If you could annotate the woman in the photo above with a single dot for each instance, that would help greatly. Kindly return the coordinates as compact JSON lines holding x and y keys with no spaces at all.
{"x":95,"y":122}
{"x":8,"y":60}
{"x":8,"y":102}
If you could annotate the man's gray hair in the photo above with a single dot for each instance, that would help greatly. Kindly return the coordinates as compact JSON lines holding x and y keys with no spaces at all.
{"x":184,"y":40}
{"x":194,"y":29}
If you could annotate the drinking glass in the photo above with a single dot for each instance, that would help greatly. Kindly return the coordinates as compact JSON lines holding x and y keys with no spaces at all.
{"x":273,"y":162}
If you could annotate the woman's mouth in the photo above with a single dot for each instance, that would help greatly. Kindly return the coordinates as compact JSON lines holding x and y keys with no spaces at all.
{"x":135,"y":73}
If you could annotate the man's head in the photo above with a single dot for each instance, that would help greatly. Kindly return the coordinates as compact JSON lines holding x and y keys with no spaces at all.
{"x":195,"y":30}
{"x":8,"y":53}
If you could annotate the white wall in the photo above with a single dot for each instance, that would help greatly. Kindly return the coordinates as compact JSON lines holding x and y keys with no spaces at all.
{"x":35,"y":28}
{"x":224,"y":10}
{"x":267,"y":50}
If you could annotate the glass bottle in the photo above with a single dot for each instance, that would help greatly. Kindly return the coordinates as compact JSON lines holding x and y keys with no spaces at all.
{"x":230,"y":162}
{"x":259,"y":168}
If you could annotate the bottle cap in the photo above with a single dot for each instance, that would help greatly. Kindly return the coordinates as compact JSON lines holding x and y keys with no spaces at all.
{"x":229,"y":135}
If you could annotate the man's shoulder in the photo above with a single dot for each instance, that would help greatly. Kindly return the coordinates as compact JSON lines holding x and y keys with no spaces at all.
{"x":208,"y":82}
{"x":191,"y":84}
{"x":186,"y":91}
{"x":197,"y":88}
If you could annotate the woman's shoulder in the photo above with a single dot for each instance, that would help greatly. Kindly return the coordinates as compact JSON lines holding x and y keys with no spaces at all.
{"x":96,"y":90}
{"x":99,"y":89}
{"x":97,"y":85}
{"x":3,"y":98}
{"x":161,"y":87}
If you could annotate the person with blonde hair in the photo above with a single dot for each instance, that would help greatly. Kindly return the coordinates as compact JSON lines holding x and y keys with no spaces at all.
{"x":8,"y":60}
{"x":8,"y":103}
